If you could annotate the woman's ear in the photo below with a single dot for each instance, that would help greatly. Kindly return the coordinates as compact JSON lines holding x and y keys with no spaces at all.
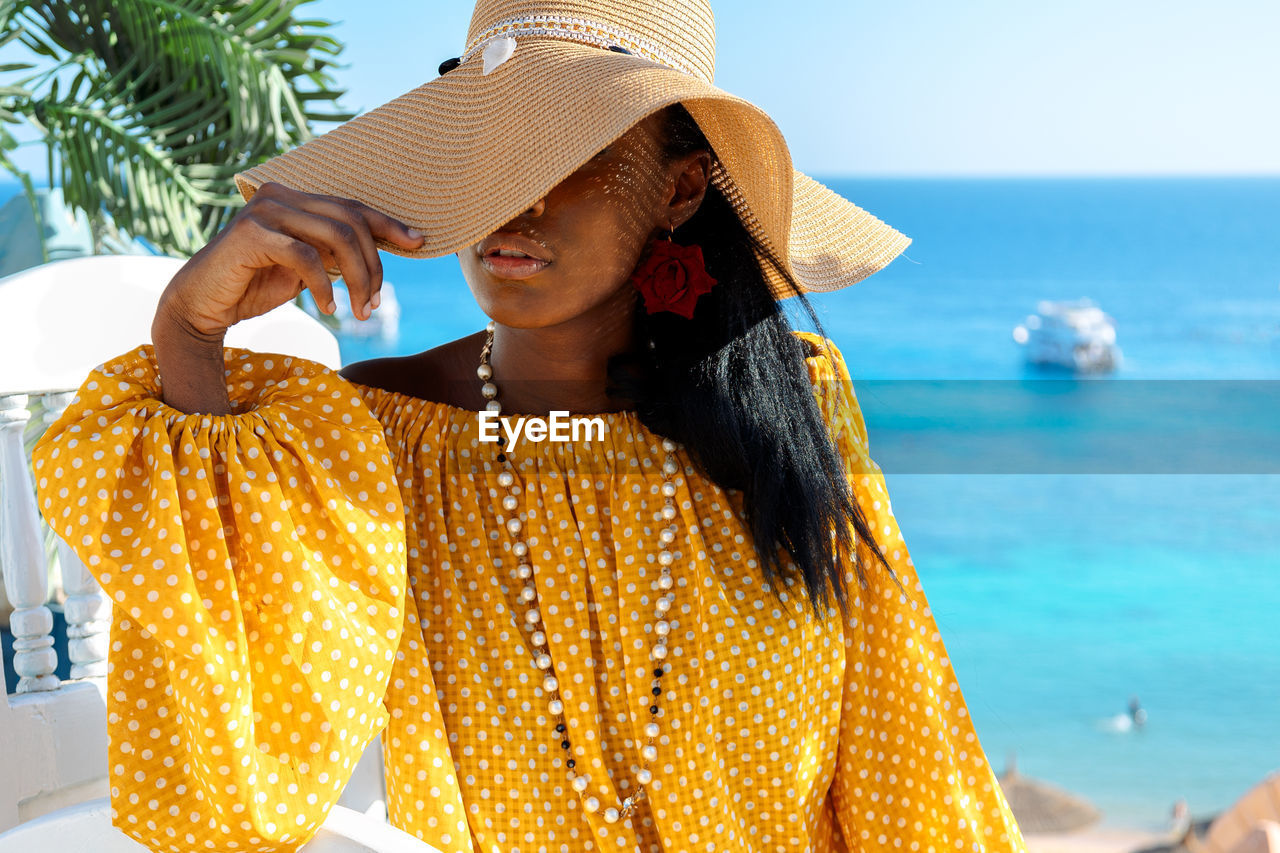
{"x":691,"y":176}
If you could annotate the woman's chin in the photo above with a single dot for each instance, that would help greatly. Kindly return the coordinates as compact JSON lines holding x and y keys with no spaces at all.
{"x":544,"y":300}
{"x":521,"y":304}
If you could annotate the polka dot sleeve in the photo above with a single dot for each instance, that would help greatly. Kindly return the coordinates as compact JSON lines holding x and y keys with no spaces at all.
{"x":256,"y":566}
{"x":910,"y":773}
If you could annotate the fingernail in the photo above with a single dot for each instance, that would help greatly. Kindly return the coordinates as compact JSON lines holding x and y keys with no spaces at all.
{"x":416,"y":234}
{"x":368,"y":309}
{"x":331,"y":307}
{"x":376,"y":300}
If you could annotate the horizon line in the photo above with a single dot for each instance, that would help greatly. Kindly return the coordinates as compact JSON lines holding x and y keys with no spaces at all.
{"x":997,"y":176}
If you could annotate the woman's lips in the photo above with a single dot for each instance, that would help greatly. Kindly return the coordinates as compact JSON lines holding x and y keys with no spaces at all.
{"x":513,"y":268}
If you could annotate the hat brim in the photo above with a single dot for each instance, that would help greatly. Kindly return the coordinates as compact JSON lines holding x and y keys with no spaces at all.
{"x":465,"y":153}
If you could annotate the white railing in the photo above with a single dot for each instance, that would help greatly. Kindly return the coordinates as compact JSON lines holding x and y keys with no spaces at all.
{"x":87,"y":610}
{"x":27,"y":571}
{"x":53,"y":733}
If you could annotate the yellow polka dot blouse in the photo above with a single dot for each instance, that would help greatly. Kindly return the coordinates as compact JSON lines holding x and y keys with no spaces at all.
{"x":331,"y":561}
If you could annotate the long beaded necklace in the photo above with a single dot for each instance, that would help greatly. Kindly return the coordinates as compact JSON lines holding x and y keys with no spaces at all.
{"x":581,"y":782}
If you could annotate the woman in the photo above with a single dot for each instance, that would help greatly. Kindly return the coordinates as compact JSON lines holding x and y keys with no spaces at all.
{"x":699,"y":630}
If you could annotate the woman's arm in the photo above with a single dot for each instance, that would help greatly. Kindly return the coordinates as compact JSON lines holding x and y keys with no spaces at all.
{"x":256,"y":565}
{"x":244,"y":519}
{"x":281,"y":243}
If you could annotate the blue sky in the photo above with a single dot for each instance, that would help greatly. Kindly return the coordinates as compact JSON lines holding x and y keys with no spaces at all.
{"x":934,"y":87}
{"x":929,"y":87}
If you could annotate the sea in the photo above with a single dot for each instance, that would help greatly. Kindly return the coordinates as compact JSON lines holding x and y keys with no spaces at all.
{"x":1064,"y":590}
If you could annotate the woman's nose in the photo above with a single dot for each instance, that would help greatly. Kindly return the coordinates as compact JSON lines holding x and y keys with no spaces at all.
{"x":537,"y":208}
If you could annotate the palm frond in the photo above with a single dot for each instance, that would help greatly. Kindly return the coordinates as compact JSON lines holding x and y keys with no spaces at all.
{"x":153,"y":105}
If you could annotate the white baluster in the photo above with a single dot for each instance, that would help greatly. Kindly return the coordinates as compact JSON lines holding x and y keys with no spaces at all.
{"x":26,"y":573}
{"x":88,"y":611}
{"x":88,"y":616}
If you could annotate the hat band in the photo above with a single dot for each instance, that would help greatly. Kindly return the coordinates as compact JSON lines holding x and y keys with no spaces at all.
{"x":580,"y":30}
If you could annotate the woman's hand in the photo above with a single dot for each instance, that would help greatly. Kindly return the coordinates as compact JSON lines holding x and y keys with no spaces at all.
{"x":281,"y":243}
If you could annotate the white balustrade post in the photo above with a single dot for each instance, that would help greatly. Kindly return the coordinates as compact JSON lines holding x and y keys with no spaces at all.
{"x":26,"y":573}
{"x":88,"y":616}
{"x":88,"y":611}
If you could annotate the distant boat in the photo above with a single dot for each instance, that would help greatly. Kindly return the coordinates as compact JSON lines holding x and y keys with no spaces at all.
{"x":1076,"y":335}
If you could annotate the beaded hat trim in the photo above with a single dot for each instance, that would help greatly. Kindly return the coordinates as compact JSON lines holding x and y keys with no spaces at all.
{"x":581,"y":30}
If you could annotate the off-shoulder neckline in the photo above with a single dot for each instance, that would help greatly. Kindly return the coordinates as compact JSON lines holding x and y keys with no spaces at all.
{"x":814,"y":342}
{"x":403,"y":399}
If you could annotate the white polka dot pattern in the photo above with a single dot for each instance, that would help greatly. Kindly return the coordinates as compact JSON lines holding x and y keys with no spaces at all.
{"x":256,"y":565}
{"x":911,"y":774}
{"x":244,"y":682}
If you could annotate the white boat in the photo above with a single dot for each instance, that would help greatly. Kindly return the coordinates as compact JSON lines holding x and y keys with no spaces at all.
{"x":1076,"y":335}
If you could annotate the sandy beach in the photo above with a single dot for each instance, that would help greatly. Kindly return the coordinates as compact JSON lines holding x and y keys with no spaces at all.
{"x":1098,"y":840}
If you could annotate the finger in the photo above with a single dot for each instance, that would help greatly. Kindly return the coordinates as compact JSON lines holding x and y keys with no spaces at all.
{"x":304,"y":259}
{"x":349,"y":245}
{"x":392,"y":230}
{"x":380,"y":226}
{"x":364,"y":297}
{"x":343,"y":227}
{"x":376,"y":225}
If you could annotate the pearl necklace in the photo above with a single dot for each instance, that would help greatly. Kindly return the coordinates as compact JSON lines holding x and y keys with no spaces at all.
{"x":581,"y":782}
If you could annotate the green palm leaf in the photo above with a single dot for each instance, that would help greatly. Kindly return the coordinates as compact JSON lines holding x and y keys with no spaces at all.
{"x":151,"y":106}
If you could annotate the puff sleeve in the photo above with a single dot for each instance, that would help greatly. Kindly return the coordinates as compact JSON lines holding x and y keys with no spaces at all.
{"x":910,"y":773}
{"x":256,"y":567}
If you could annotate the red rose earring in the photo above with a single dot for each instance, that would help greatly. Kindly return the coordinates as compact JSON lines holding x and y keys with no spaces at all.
{"x":672,"y":277}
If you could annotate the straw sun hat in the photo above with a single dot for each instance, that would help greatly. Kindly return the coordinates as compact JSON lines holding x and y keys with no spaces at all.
{"x":541,"y":88}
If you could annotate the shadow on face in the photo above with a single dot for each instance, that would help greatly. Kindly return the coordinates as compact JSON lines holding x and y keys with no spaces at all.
{"x":581,"y":242}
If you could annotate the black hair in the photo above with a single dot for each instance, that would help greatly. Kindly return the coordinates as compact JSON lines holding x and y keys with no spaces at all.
{"x":731,"y":384}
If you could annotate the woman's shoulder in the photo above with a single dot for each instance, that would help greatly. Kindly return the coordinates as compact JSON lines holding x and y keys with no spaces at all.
{"x":823,"y":357}
{"x":443,"y":374}
{"x":834,"y":392}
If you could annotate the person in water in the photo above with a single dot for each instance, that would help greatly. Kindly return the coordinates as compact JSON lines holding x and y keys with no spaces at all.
{"x":699,"y":629}
{"x":1137,"y":713}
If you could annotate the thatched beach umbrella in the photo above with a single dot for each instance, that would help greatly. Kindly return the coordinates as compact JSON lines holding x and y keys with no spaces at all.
{"x":1249,"y":815}
{"x":1251,"y":825}
{"x":1040,"y":807}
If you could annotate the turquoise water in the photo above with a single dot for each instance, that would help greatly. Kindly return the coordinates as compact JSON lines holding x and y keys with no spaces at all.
{"x":1059,"y":596}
